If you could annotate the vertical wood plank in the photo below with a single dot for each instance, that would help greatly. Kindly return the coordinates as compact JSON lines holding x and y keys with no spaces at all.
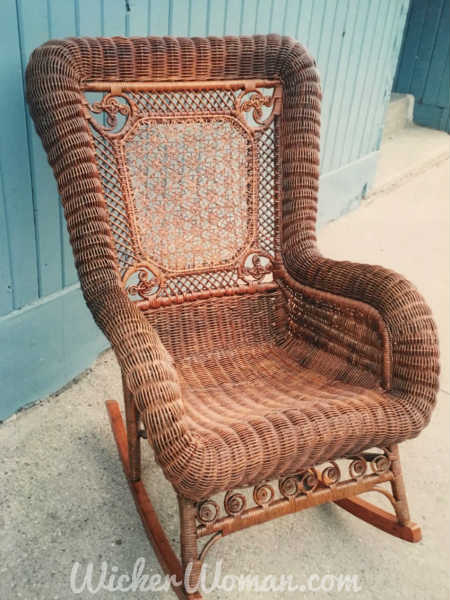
{"x":62,"y":23}
{"x":443,"y":95}
{"x":332,"y":68}
{"x":159,"y":17}
{"x":16,"y":189}
{"x":248,"y":22}
{"x":343,"y":70}
{"x":262,"y":17}
{"x":291,"y":17}
{"x":378,"y":94}
{"x":387,"y":77}
{"x":33,"y":19}
{"x":233,"y":15}
{"x":199,"y":18}
{"x":6,"y":281}
{"x":436,"y":88}
{"x":426,"y":45}
{"x":61,"y":18}
{"x":315,"y":26}
{"x":363,"y":78}
{"x":337,"y":140}
{"x":416,"y":23}
{"x":89,"y":17}
{"x":304,"y":22}
{"x":139,"y":18}
{"x":217,"y":14}
{"x":326,"y":39}
{"x":423,"y":66}
{"x":278,"y":12}
{"x":180,"y":18}
{"x":115,"y":18}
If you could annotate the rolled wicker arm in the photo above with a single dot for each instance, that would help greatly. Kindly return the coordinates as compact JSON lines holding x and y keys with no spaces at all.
{"x":396,"y":312}
{"x":146,"y":365}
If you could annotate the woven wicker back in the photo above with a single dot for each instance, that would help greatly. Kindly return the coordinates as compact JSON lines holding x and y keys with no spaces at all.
{"x":193,"y":172}
{"x":190,"y":178}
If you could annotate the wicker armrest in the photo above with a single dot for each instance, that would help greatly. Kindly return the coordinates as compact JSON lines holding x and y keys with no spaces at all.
{"x":405,"y":323}
{"x":352,"y":332}
{"x":146,"y":365}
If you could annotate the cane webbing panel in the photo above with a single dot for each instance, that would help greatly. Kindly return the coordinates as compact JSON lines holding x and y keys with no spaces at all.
{"x":190,"y":185}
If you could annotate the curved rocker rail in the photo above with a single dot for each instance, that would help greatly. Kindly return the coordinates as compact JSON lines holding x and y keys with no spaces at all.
{"x":368,"y":512}
{"x":342,"y":493}
{"x":166,"y":556}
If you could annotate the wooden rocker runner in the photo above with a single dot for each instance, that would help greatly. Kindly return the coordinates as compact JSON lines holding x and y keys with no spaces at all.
{"x":188,"y":170}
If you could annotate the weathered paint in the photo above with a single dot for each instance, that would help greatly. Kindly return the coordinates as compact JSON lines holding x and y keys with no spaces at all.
{"x":424,"y":67}
{"x":46,"y":333}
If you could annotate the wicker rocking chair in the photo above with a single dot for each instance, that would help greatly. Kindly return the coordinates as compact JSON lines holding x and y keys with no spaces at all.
{"x":188,"y":171}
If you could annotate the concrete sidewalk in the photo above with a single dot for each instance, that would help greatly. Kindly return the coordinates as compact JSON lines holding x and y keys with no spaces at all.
{"x":64,"y":498}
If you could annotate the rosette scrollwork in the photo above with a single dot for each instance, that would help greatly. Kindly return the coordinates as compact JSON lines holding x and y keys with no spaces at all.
{"x":380,"y":463}
{"x":309,"y":480}
{"x":142,"y":281}
{"x":234,"y":503}
{"x":357,"y":467}
{"x":256,"y":109}
{"x":207,"y":512}
{"x":288,"y":486}
{"x":331,"y":475}
{"x":255,"y":267}
{"x":302,"y":483}
{"x":117,"y":108}
{"x":263,"y":494}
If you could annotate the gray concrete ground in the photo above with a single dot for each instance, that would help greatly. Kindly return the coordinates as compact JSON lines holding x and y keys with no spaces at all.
{"x":64,"y":498}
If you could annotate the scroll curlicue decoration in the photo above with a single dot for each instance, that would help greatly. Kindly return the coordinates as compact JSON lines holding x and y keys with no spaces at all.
{"x":148,"y":282}
{"x":255,"y":266}
{"x":305,"y":484}
{"x":112,"y":107}
{"x":250,"y":105}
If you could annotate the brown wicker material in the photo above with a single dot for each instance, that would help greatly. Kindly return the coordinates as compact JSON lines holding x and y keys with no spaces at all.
{"x":189,"y":188}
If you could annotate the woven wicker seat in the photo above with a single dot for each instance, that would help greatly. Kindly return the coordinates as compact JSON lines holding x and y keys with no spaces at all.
{"x":188,"y":170}
{"x":258,"y":422}
{"x":264,"y":403}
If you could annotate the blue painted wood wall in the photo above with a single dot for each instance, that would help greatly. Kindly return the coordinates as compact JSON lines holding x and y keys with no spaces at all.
{"x":424,"y":64}
{"x":46,"y":333}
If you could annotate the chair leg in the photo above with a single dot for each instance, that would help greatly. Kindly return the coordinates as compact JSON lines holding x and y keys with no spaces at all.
{"x":134,"y":441}
{"x":399,"y":524}
{"x":398,"y":488}
{"x":190,"y":562}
